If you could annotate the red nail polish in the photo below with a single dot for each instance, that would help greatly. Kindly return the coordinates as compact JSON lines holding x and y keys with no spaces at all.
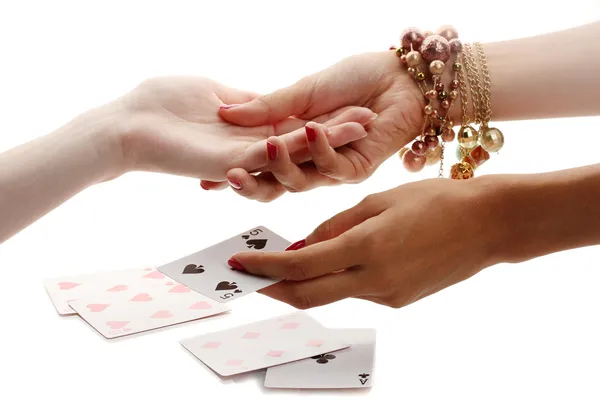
{"x":297,"y":246}
{"x":203,"y":186}
{"x":235,"y":264}
{"x":272,"y":150}
{"x":228,"y":106}
{"x":311,"y":134}
{"x":235,"y":184}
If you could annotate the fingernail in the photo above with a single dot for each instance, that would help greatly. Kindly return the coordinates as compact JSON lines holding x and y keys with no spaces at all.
{"x":235,"y":184}
{"x":228,"y":106}
{"x":374,"y":117}
{"x":272,"y":150}
{"x":202,"y":186}
{"x":235,"y":264}
{"x":296,"y":246}
{"x":311,"y":134}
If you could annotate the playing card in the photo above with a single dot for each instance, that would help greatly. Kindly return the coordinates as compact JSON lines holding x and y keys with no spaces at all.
{"x":348,"y":368}
{"x":208,"y":273}
{"x":169,"y":304}
{"x":263,"y":344}
{"x":118,"y":285}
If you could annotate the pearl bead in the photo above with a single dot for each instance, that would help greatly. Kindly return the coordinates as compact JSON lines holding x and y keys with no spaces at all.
{"x":461,"y":171}
{"x":448,"y":32}
{"x":411,"y":70}
{"x":413,"y":58}
{"x":439,"y":86}
{"x":454,"y":84}
{"x":431,"y":94}
{"x":402,"y":151}
{"x":428,"y":109}
{"x":435,"y":47}
{"x":435,"y":113}
{"x":427,"y":33}
{"x":412,"y":36}
{"x":445,"y":104}
{"x":413,"y":162}
{"x":433,"y":155}
{"x":467,"y":137}
{"x":492,"y":139}
{"x":403,"y":59}
{"x":455,"y":46}
{"x":448,"y":135}
{"x":453,"y":94}
{"x":431,"y":141}
{"x":419,"y":147}
{"x":436,"y":67}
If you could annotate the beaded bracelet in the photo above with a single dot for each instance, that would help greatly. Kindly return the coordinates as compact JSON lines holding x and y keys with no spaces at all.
{"x":427,"y":149}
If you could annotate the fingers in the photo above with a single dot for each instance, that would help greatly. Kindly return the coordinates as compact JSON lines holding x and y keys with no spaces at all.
{"x":274,"y":107}
{"x":329,"y":162}
{"x":343,"y":222}
{"x":317,"y":292}
{"x":309,"y":262}
{"x":262,"y":188}
{"x":210,"y":185}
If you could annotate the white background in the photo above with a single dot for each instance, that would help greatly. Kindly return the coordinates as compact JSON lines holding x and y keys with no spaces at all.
{"x":514,"y":331}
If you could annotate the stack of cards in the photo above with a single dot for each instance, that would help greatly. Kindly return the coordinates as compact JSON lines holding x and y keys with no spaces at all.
{"x":297,"y":350}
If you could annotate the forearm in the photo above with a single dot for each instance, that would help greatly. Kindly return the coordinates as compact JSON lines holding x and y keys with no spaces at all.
{"x":540,"y":214}
{"x":548,"y":76}
{"x":39,"y":176}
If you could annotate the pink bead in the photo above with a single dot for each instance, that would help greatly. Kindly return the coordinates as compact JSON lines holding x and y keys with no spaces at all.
{"x":413,"y":162}
{"x":439,"y":86}
{"x":435,"y":47}
{"x":445,"y":104}
{"x":431,"y":141}
{"x":412,"y":36}
{"x":448,"y":135}
{"x":431,"y":94}
{"x":435,"y":113}
{"x":419,"y":148}
{"x":455,"y":45}
{"x":454,"y":84}
{"x":403,"y":59}
{"x":448,"y":32}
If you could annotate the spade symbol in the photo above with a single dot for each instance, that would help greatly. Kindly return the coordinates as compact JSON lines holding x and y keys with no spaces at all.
{"x":193,"y":269}
{"x":257,"y":243}
{"x":363,"y":378}
{"x":245,"y":237}
{"x":226,"y":286}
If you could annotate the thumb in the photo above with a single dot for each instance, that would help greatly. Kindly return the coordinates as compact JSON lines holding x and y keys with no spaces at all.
{"x":271,"y":108}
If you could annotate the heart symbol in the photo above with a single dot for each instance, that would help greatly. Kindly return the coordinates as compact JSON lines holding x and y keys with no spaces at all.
{"x":257,"y":243}
{"x":161,"y":314}
{"x":226,"y":286}
{"x":141,"y":297}
{"x":97,"y":307}
{"x":179,"y":289}
{"x":193,"y":269}
{"x":201,"y":305}
{"x":154,"y":275}
{"x":118,"y":288}
{"x":245,"y":237}
{"x":116,"y":324}
{"x":67,"y":285}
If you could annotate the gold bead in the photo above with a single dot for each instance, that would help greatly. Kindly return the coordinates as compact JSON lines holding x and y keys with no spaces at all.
{"x":413,"y":58}
{"x":402,"y":151}
{"x":449,"y":124}
{"x":433,"y":155}
{"x":436,"y":67}
{"x":431,"y":132}
{"x":492,"y":140}
{"x":399,"y":51}
{"x":467,"y":137}
{"x":428,"y":109}
{"x":420,"y":76}
{"x":456,"y":66}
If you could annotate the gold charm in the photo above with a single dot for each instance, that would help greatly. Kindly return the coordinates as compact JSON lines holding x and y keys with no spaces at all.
{"x":462,"y":170}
